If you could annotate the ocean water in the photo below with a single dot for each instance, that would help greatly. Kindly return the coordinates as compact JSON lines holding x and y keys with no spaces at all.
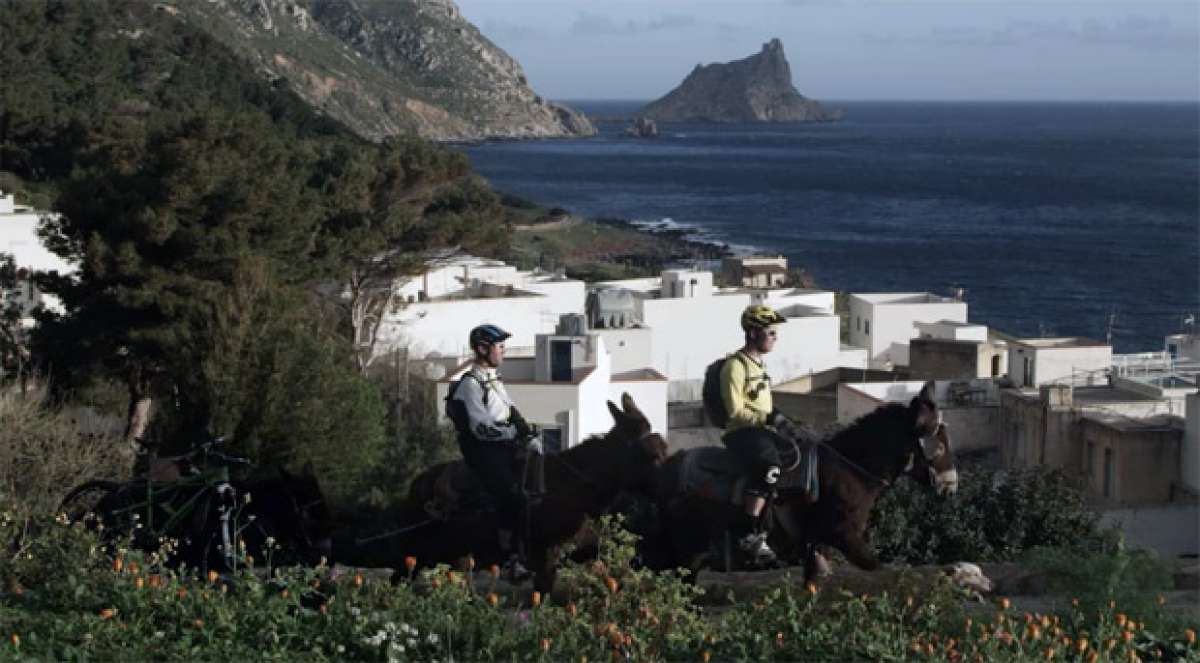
{"x":1053,"y":217}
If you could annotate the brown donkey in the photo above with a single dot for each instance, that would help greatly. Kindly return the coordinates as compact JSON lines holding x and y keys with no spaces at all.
{"x":580,"y":482}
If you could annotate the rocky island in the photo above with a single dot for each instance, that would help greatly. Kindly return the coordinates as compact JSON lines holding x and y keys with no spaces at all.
{"x":755,"y":89}
{"x":383,"y":68}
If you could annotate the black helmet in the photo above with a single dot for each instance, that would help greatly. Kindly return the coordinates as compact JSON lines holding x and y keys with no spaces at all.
{"x":487,"y":334}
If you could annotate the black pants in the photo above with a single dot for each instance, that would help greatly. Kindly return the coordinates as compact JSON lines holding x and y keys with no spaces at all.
{"x":758,"y":452}
{"x":492,"y":462}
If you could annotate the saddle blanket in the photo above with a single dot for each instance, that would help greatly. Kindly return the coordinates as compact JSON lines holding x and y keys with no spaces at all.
{"x":712,"y":473}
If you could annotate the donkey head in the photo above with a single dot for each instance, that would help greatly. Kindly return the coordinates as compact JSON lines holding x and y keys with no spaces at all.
{"x":931,"y":459}
{"x":645,"y":449}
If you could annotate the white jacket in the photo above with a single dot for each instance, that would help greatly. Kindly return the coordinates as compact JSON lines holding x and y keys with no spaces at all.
{"x":487,"y":404}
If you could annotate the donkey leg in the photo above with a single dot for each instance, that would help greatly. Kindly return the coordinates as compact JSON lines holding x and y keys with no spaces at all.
{"x":544,"y":569}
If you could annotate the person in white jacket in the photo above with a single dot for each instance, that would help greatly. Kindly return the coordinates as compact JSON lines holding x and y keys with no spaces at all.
{"x":490,"y":432}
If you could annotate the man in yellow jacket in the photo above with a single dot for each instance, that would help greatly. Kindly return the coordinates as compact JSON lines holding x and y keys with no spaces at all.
{"x":753,"y":428}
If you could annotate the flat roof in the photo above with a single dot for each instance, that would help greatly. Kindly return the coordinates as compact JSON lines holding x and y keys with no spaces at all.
{"x":904,"y":298}
{"x":638,"y":375}
{"x":1126,"y":423}
{"x":1061,"y":342}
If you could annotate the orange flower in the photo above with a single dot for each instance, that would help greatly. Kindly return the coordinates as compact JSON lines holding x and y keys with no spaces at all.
{"x":571,"y":609}
{"x":324,"y":608}
{"x":469,"y":563}
{"x":1082,"y":645}
{"x":284,"y":594}
{"x":1127,"y":636}
{"x":535,"y":599}
{"x":118,"y":563}
{"x":213,"y":576}
{"x":155,"y":580}
{"x":929,"y":649}
{"x":706,"y":656}
{"x":1189,"y":635}
{"x":15,"y":639}
{"x":612,"y":584}
{"x":545,"y":644}
{"x":1121,"y":619}
{"x":1033,"y":632}
{"x":1049,"y":653}
{"x":107,"y":613}
{"x":1092,"y":657}
{"x":182,"y":593}
{"x":492,"y":599}
{"x":811,"y":588}
{"x":494,"y":571}
{"x":1005,"y":604}
{"x":358,"y":580}
{"x":198,"y":623}
{"x":139,"y":582}
{"x":1109,"y":644}
{"x":410,"y":563}
{"x":133,"y":567}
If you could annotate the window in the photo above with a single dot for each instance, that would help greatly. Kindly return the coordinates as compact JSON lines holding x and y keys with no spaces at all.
{"x":857,"y":323}
{"x":1027,"y":378}
{"x":995,"y":365}
{"x":867,"y":327}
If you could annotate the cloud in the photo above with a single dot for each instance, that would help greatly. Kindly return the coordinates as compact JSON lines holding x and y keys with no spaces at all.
{"x":1137,"y":32}
{"x":594,"y":24}
{"x":499,"y":31}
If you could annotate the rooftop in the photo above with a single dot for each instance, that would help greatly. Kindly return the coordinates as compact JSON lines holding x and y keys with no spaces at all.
{"x":884,"y":298}
{"x":1125,"y":423}
{"x":1062,"y":342}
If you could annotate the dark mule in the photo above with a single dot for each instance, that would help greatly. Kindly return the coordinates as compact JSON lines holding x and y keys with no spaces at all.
{"x":288,"y":509}
{"x":581,"y":482}
{"x":855,"y":466}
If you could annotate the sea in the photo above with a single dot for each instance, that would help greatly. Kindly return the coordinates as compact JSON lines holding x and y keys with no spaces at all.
{"x":1056,"y":219}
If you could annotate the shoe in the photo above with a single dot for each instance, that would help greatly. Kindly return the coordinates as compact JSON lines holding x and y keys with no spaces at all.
{"x":514,"y":571}
{"x":756,"y":552}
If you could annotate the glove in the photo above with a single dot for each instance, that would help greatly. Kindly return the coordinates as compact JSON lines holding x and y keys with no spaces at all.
{"x":781,"y":423}
{"x":524,"y":430}
{"x":534,"y":445}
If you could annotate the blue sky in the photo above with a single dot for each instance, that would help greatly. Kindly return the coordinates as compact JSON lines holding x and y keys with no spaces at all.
{"x":859,"y":49}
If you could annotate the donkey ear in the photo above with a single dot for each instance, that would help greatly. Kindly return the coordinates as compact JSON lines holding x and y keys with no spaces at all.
{"x":617,"y":415}
{"x":631,"y":409}
{"x":927,"y":392}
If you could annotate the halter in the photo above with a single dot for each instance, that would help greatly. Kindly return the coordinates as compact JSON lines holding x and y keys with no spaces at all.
{"x":884,"y":482}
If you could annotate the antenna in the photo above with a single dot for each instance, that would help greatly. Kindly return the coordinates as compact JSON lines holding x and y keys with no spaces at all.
{"x":1112,"y":321}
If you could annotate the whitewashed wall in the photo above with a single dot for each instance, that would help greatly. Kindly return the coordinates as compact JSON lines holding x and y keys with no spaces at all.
{"x":631,"y":348}
{"x":442,"y":328}
{"x":1052,"y":364}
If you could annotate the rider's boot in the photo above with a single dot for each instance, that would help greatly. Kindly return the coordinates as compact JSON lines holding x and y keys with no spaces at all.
{"x":755,"y":551}
{"x":513,"y":570}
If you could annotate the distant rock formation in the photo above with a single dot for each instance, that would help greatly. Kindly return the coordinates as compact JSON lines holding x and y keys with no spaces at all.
{"x":755,"y":89}
{"x":642,"y":127}
{"x":384,"y":68}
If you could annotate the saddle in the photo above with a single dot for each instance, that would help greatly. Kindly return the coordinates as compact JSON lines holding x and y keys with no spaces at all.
{"x":458,"y":490}
{"x":714,"y":473}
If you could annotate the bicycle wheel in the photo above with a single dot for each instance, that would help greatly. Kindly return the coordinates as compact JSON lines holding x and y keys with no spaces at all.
{"x":81,"y":502}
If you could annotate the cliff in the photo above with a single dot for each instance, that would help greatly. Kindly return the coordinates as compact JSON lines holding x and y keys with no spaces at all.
{"x":755,"y":89}
{"x":383,"y":68}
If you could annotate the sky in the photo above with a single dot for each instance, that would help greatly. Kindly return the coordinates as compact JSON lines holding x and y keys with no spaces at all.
{"x":986,"y":50}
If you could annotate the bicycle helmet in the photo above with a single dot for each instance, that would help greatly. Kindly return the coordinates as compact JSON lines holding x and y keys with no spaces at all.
{"x":760,"y":316}
{"x":487,"y":335}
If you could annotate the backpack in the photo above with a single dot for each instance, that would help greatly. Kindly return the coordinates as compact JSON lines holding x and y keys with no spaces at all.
{"x":456,"y":410}
{"x":710,"y":393}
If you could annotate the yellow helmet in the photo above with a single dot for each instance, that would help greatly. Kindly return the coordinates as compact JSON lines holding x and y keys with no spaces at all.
{"x":759,"y":315}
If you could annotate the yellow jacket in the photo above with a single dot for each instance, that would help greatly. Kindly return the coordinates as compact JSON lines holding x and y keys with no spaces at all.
{"x":746,"y":392}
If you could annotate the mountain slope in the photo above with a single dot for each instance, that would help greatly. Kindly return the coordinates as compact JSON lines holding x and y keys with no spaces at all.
{"x":386,"y":67}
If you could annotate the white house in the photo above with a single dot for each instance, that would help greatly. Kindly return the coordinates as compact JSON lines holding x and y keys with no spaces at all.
{"x":1079,"y":361}
{"x":18,"y":238}
{"x":459,"y":292}
{"x":693,"y":323}
{"x":565,"y":386}
{"x":884,"y":323}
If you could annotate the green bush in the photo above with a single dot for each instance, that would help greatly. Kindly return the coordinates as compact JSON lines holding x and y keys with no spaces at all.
{"x":65,"y":598}
{"x":994,"y":516}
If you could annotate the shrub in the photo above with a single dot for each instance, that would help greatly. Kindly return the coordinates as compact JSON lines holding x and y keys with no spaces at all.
{"x":994,"y":516}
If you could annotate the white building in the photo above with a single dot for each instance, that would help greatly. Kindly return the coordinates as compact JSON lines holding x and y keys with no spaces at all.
{"x":692,"y":323}
{"x":754,"y":271}
{"x":18,"y":238}
{"x":565,"y":386}
{"x":457,"y":293}
{"x":1033,"y":362}
{"x":884,"y":323}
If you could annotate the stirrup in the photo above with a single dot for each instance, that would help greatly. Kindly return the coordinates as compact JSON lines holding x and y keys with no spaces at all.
{"x":755,"y":551}
{"x":514,"y":571}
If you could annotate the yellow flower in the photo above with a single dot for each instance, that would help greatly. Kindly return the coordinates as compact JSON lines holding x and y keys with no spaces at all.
{"x":1082,"y":644}
{"x":492,"y":599}
{"x":213,"y":576}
